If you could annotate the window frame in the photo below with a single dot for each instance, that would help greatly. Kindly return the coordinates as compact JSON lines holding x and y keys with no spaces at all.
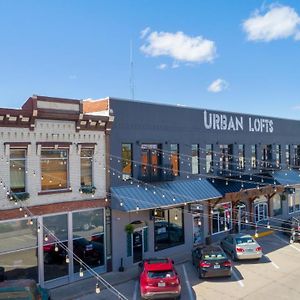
{"x":195,"y":147}
{"x":67,"y":169}
{"x":92,"y":165}
{"x":126,"y":176}
{"x":25,"y":167}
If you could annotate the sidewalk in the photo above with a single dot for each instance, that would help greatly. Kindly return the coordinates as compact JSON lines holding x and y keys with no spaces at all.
{"x":84,"y":287}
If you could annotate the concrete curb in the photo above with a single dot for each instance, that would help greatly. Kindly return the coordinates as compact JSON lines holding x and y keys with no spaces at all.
{"x":262,"y":234}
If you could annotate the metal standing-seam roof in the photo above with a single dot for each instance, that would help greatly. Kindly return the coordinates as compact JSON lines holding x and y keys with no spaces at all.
{"x":287,"y":177}
{"x":145,"y":196}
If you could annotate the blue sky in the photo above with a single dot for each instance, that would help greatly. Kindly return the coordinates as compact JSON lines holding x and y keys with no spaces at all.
{"x":241,"y":56}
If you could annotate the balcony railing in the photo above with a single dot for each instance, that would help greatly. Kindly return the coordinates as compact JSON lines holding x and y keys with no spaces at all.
{"x":162,"y":173}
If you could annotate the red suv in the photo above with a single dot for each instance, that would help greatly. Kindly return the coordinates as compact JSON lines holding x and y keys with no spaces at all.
{"x":159,"y":279}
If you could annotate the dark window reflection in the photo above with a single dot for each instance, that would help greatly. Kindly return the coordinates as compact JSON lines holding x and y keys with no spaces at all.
{"x":168,"y":228}
{"x":55,"y":264}
{"x":88,"y":238}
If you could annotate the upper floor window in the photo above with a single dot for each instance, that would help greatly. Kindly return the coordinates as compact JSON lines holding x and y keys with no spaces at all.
{"x":287,"y":155}
{"x":174,"y":155}
{"x":266,"y":156}
{"x":278,"y":155}
{"x":150,"y":162}
{"x":241,"y":156}
{"x":86,"y":166}
{"x":54,"y":169}
{"x":253,"y":156}
{"x":126,"y":161}
{"x":195,"y":159}
{"x":226,"y":157}
{"x":296,"y":155}
{"x":209,"y":158}
{"x":17,"y":170}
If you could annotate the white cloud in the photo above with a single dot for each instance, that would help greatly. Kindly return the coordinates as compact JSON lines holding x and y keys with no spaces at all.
{"x":279,"y":22}
{"x":175,"y":65}
{"x":162,"y":66}
{"x":144,"y":32}
{"x":296,"y":107}
{"x":180,"y":47}
{"x":218,"y":86}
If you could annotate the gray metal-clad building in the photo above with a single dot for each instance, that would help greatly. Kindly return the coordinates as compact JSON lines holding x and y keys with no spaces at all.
{"x":179,"y":175}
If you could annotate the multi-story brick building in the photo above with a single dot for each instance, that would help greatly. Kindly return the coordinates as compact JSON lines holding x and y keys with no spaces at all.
{"x":53,"y":186}
{"x":182,"y":176}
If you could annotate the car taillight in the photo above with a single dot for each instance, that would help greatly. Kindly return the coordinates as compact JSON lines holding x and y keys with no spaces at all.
{"x":227,"y":264}
{"x":204,"y":264}
{"x":175,"y":282}
{"x":258,"y":249}
{"x":239,"y":249}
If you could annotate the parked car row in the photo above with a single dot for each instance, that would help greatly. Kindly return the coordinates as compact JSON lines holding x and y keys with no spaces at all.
{"x":159,"y":279}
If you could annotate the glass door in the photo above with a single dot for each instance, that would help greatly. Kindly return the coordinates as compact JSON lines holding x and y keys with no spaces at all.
{"x":261,"y":212}
{"x":137,"y":245}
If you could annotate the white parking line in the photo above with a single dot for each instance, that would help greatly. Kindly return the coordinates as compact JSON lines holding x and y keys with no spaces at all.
{"x":272,"y":262}
{"x":240,"y":282}
{"x":294,"y":247}
{"x":135,"y":290}
{"x":191,"y":297}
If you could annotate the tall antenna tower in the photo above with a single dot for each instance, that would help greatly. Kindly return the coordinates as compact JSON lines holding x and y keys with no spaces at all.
{"x":131,"y":79}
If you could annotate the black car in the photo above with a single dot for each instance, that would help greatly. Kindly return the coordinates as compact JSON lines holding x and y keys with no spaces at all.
{"x":291,"y":227}
{"x":211,"y":261}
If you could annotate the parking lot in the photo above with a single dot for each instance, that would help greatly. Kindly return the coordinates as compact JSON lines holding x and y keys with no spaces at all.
{"x":275,"y":276}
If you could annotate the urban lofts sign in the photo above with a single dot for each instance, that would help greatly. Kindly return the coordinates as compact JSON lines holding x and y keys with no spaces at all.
{"x":227,"y":122}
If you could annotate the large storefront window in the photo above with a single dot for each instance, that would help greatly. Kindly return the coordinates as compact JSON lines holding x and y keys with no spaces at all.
{"x":88,"y":238}
{"x":17,"y":170}
{"x":18,"y":249}
{"x":86,"y":166}
{"x":54,"y":169}
{"x":175,"y":159}
{"x":195,"y":159}
{"x":294,"y":201}
{"x":221,"y":218}
{"x":168,"y":228}
{"x":197,"y":211}
{"x":209,"y":158}
{"x":126,"y":161}
{"x":55,"y":237}
{"x":277,"y":205}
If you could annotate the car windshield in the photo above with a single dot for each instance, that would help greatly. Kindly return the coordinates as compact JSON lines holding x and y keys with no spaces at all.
{"x":214,"y":255}
{"x":244,"y":240}
{"x":161,"y":274}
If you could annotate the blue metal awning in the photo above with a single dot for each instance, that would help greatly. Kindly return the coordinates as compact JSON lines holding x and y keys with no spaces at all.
{"x":287,"y":177}
{"x":243,"y":182}
{"x":131,"y":198}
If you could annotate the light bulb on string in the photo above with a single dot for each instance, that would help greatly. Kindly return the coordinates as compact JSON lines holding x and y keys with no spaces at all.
{"x":56,"y":248}
{"x":256,"y":234}
{"x":67,"y":259}
{"x":20,"y":208}
{"x":175,"y":217}
{"x":39,"y":229}
{"x":137,"y":207}
{"x":97,"y":288}
{"x":46,"y":238}
{"x":25,"y":215}
{"x":80,"y":272}
{"x":31,"y":222}
{"x":199,"y":223}
{"x":268,"y":225}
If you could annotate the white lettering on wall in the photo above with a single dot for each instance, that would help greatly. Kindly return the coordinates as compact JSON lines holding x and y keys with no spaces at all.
{"x":217,"y":121}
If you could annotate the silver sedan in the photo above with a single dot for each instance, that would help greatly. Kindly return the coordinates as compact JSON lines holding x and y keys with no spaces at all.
{"x":241,"y":246}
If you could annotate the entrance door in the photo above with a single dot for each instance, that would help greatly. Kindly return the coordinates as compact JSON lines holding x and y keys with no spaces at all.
{"x":261,"y":212}
{"x":198,"y":229}
{"x":242,"y":217}
{"x":151,"y":161}
{"x":137,"y":245}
